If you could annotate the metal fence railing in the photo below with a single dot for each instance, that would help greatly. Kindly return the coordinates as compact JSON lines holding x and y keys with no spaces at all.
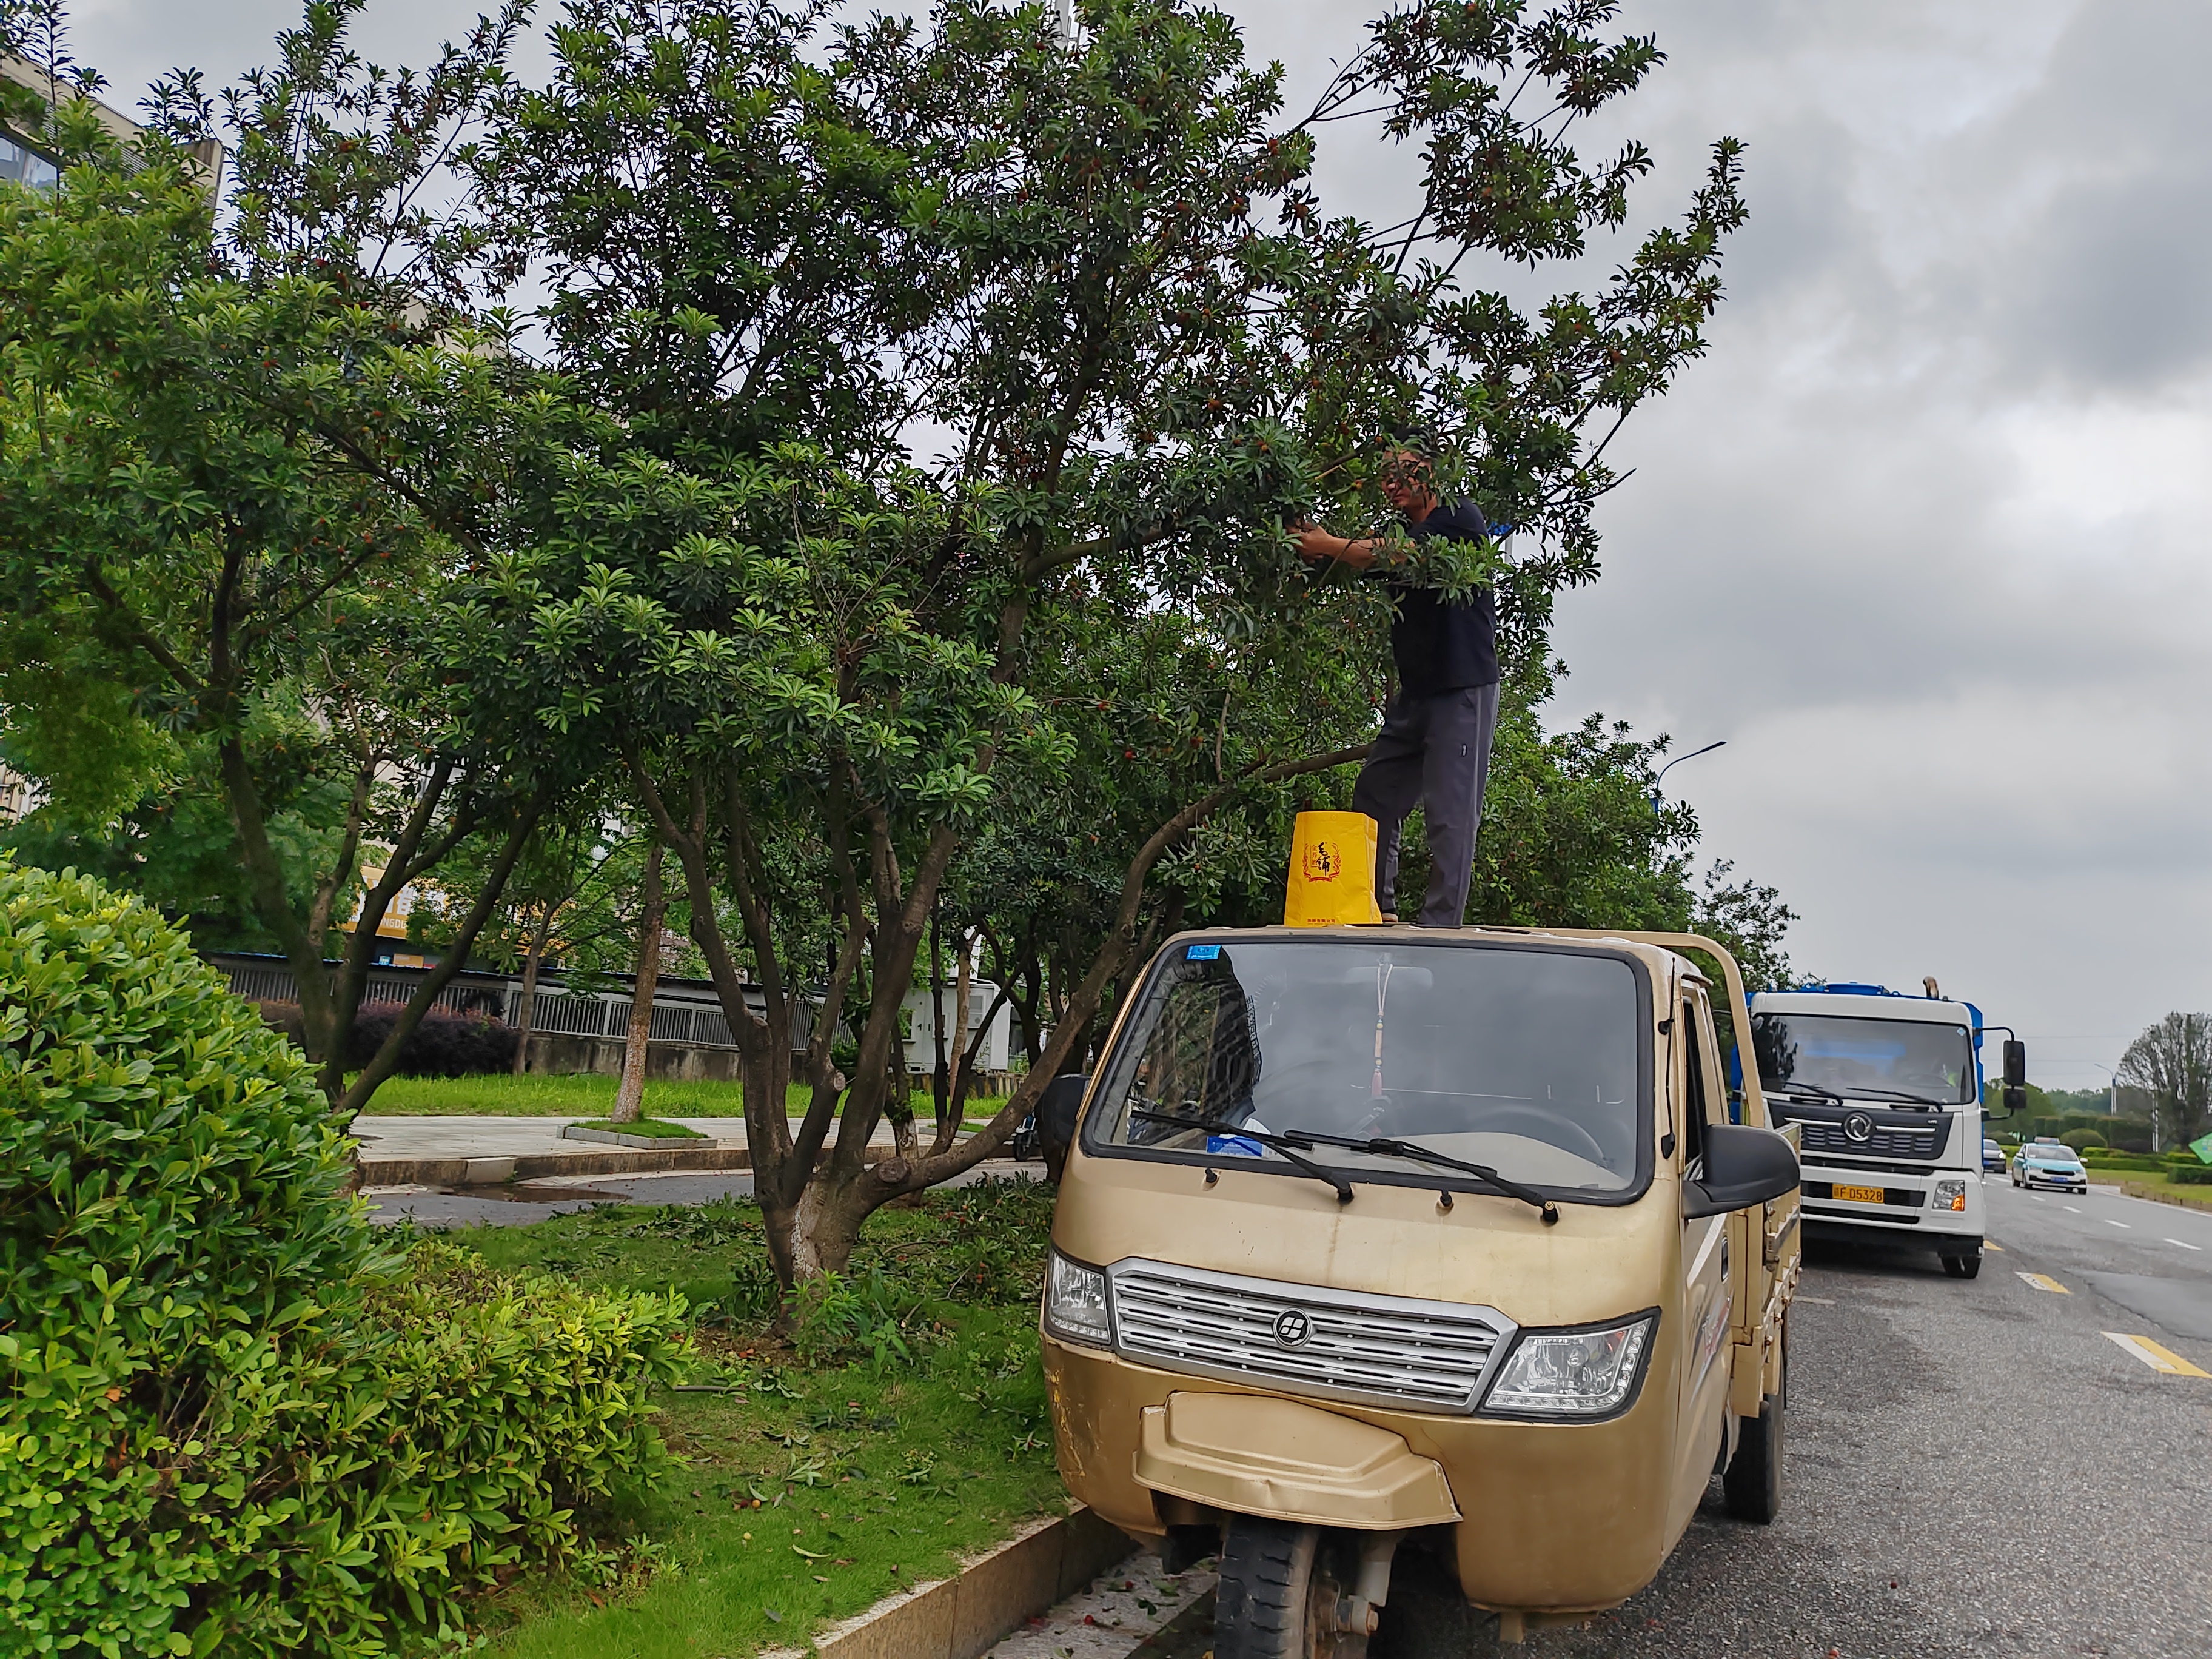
{"x":688,"y":1012}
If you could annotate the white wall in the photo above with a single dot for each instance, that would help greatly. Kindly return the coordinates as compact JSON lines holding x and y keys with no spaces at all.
{"x":922,"y":1040}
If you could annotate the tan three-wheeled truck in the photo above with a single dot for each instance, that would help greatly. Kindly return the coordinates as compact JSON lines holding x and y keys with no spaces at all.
{"x":1374,"y":1240}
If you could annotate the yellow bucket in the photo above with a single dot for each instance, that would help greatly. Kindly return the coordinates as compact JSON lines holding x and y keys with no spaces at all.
{"x":1332,"y":871}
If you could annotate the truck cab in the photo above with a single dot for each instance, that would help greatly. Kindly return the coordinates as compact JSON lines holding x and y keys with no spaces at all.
{"x":1886,"y":1092}
{"x":1377,"y":1238}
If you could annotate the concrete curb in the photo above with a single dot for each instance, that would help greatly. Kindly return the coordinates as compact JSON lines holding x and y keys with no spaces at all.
{"x":966,"y":1615}
{"x":649,"y":1143}
{"x":491,"y":1171}
{"x":2137,"y":1189}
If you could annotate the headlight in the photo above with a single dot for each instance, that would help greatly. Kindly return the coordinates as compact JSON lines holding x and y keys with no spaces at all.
{"x":1950,"y":1196}
{"x":1075,"y":1302}
{"x":1571,"y":1373}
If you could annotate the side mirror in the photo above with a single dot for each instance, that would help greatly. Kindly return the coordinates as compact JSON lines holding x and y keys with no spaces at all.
{"x":1744,"y":1166}
{"x":1056,"y":1111}
{"x":2015,"y":1099}
{"x":2015,"y":1065}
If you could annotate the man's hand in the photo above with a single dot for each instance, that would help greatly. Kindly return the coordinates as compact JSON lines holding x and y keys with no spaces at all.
{"x":1316,"y":544}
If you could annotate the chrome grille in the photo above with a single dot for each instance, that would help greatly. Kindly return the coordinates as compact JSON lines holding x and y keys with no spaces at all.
{"x":1883,"y":1143}
{"x":1387,"y":1350}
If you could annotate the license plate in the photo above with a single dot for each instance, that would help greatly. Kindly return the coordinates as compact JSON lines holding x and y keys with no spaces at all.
{"x":1859,"y":1195}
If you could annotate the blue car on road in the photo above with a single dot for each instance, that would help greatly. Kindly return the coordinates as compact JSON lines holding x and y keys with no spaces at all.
{"x":2043,"y":1164}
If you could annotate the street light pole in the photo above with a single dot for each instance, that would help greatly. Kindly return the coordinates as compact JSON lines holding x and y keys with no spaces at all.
{"x":1677,"y":761}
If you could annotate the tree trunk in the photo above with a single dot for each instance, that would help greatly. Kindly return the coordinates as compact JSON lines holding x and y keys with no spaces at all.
{"x":940,"y":1076}
{"x":531,"y":962}
{"x":629,"y":1100}
{"x":954,"y":1093}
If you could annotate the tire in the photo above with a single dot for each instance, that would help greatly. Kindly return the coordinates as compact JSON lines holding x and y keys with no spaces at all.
{"x":1753,"y":1484}
{"x":1278,"y":1596}
{"x":1964,"y":1267}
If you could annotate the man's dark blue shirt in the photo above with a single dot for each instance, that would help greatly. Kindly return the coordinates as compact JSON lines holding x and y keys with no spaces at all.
{"x":1438,"y":644}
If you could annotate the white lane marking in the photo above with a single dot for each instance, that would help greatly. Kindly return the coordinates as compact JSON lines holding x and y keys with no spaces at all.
{"x":1825,"y":1301}
{"x":2155,"y":1355}
{"x":2109,"y":1222}
{"x":2043,"y":1282}
{"x":2185,"y":1243}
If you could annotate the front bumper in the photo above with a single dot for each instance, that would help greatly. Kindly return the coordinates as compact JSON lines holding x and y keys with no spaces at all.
{"x":1570,"y":1517}
{"x":1907,"y":1206}
{"x":2055,"y":1181}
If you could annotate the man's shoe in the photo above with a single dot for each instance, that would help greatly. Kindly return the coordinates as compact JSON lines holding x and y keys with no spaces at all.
{"x":1390,"y":918}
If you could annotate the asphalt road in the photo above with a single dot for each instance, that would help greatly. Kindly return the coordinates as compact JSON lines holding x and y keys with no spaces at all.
{"x":1974,"y":1467}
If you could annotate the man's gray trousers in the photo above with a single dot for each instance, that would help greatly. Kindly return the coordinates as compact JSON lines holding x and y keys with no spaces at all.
{"x":1435,"y":751}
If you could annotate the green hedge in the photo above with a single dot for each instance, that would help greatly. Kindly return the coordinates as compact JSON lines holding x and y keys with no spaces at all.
{"x":2097,"y":1158}
{"x":231,"y":1421}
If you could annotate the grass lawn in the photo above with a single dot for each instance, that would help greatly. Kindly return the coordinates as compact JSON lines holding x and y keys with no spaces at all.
{"x":2139,"y":1184}
{"x":586,"y":1094}
{"x":835,"y":1468}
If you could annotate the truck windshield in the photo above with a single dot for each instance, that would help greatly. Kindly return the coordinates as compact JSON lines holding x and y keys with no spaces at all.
{"x":1524,"y":1060}
{"x":1876,"y":1058}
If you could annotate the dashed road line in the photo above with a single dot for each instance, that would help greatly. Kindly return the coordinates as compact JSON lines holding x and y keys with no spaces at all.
{"x":1825,"y":1301}
{"x":2185,"y":1243}
{"x":2071,"y":1209}
{"x":2042,"y":1282}
{"x":2109,"y":1222}
{"x":1992,"y":1244}
{"x":2156,"y":1356}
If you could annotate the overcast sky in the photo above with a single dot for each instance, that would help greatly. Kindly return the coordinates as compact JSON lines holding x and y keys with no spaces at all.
{"x":1923,"y":538}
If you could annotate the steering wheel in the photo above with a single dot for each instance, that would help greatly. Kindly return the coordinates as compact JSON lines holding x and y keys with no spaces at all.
{"x":1549,"y":1121}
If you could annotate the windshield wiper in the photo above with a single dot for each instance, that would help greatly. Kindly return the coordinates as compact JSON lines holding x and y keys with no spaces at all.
{"x":1383,"y":1147}
{"x":1216,"y":1126}
{"x":1895,"y":1094}
{"x":1812,"y":1089}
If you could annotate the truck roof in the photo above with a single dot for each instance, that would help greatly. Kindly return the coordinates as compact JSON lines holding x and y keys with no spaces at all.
{"x":1655,"y":956}
{"x":1862,"y":1005}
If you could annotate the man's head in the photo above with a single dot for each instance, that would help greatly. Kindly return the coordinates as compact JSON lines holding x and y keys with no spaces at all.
{"x":1408,"y":473}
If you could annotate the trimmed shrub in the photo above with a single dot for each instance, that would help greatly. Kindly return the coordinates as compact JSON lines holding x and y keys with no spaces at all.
{"x":232,"y":1422}
{"x":446,"y":1044}
{"x":2191,"y":1174}
{"x":2081,"y":1139}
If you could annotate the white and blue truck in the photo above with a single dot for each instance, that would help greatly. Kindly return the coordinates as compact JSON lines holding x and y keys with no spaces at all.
{"x":1885,"y":1089}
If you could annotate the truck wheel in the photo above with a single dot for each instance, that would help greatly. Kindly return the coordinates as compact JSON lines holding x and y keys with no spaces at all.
{"x":1278,"y":1598}
{"x":1963,"y":1266}
{"x":1753,"y":1484}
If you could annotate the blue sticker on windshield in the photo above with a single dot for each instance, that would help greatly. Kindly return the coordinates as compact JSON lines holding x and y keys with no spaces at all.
{"x":1200,"y":952}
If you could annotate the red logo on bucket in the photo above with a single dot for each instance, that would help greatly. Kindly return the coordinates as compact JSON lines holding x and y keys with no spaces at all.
{"x":1323,"y":861}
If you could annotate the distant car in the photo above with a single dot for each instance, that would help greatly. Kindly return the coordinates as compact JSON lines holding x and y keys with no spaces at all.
{"x":2041,"y":1164}
{"x":1993,"y":1156}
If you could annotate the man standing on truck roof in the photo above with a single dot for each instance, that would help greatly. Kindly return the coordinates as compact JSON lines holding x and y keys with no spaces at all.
{"x":1434,"y":746}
